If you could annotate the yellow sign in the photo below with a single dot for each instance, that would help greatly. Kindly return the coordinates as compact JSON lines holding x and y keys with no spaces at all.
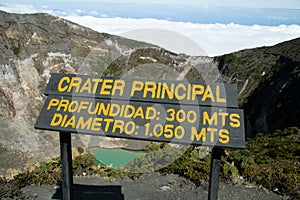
{"x":142,"y":120}
{"x":168,"y":111}
{"x":179,"y":92}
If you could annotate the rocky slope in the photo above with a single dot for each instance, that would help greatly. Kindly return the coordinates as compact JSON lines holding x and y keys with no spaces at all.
{"x":32,"y":47}
{"x":35,"y":45}
{"x":268,"y":81}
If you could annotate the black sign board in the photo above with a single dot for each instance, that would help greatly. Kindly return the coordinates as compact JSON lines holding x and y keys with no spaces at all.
{"x":164,"y":111}
{"x":186,"y":124}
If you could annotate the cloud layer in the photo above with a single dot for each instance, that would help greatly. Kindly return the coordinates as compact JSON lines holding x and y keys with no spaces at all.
{"x":214,"y":39}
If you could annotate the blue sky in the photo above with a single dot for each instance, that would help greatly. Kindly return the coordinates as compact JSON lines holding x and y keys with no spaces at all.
{"x":291,"y":4}
{"x":262,"y":12}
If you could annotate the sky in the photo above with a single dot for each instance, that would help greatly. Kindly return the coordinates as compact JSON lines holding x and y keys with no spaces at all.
{"x":292,"y":4}
{"x":206,"y":27}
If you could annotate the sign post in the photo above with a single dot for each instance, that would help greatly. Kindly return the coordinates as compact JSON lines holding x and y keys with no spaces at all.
{"x":66,"y":165}
{"x":214,"y":174}
{"x":164,"y":111}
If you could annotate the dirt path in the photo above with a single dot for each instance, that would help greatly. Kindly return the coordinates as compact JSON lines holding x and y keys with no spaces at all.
{"x":148,"y":187}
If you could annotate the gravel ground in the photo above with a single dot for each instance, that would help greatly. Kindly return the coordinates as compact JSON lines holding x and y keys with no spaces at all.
{"x":148,"y":187}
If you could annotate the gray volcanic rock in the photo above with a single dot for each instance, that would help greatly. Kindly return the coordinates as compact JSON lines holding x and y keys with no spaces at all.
{"x":32,"y":46}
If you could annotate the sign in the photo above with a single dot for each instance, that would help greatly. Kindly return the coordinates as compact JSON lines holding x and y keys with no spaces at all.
{"x":144,"y":121}
{"x":166,"y":111}
{"x":173,"y":92}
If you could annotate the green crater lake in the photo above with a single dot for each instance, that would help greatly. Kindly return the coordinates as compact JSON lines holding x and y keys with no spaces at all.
{"x":115,"y":157}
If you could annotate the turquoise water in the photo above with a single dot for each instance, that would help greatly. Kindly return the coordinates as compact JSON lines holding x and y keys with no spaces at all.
{"x":115,"y":157}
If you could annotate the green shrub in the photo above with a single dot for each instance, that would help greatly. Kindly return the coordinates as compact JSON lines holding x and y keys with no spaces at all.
{"x":189,"y":166}
{"x":271,"y":161}
{"x":80,"y":150}
{"x":111,"y":69}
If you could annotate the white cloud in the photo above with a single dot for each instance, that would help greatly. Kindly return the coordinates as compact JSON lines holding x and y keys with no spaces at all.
{"x":214,"y":39}
{"x":93,"y":12}
{"x":17,"y":8}
{"x":22,"y":8}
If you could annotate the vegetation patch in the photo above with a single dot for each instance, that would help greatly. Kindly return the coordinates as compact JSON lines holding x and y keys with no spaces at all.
{"x":271,"y":161}
{"x":111,"y":70}
{"x":49,"y":172}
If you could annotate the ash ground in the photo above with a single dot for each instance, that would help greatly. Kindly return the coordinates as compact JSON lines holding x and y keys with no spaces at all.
{"x":148,"y":187}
